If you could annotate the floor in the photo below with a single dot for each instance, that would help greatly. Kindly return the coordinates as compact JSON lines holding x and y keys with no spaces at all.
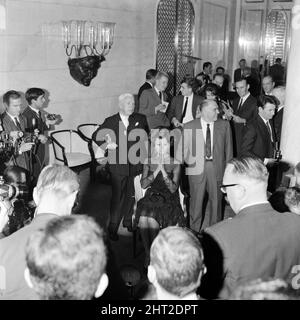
{"x":94,"y":201}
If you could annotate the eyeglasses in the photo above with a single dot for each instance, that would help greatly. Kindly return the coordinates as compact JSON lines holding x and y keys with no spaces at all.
{"x":224,"y":186}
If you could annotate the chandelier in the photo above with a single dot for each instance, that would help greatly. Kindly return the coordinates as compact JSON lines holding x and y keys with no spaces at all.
{"x":86,"y":44}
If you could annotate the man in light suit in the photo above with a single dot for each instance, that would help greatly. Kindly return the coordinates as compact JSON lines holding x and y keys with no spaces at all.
{"x":258,"y":242}
{"x":244,"y":110}
{"x":54,"y":195}
{"x":211,"y":138}
{"x":15,"y":125}
{"x":183,"y":107}
{"x":153,"y":103}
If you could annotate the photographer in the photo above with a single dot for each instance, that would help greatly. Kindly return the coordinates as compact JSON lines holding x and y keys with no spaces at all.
{"x":37,"y":125}
{"x":14,"y":124}
{"x":15,"y":200}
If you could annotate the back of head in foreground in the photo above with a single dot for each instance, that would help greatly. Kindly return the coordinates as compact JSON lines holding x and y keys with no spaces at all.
{"x":67,"y":259}
{"x":56,"y":190}
{"x":177,"y":264}
{"x":245,"y":182}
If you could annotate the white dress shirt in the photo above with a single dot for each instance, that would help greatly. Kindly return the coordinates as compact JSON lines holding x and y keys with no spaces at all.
{"x":211,"y":127}
{"x":124,"y":120}
{"x":13,"y":118}
{"x":189,"y":114}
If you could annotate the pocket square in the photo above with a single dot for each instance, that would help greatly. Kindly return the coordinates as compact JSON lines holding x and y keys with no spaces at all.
{"x":137,"y":123}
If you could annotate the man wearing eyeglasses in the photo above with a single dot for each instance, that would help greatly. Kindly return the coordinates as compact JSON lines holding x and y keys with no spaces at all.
{"x":258,"y":242}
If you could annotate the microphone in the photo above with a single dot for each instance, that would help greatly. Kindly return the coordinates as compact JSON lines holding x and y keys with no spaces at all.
{"x":35,"y":134}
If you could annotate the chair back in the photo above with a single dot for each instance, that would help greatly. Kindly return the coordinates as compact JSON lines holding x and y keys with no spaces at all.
{"x":67,"y":141}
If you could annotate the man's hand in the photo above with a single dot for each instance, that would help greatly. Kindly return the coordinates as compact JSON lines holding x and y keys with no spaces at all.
{"x":269,"y":161}
{"x":176,"y":123}
{"x":42,"y":138}
{"x":25,"y":146}
{"x":16,"y":134}
{"x":238,"y":119}
{"x":160,"y":108}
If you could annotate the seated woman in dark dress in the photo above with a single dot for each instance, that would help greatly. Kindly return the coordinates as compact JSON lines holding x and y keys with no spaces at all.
{"x":160,"y":207}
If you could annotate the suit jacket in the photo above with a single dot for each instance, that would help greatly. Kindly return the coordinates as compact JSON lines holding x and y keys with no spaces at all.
{"x":258,"y":242}
{"x":145,"y":86}
{"x":247,"y":111}
{"x":8,"y":124}
{"x":12,"y":258}
{"x":148,"y":101}
{"x":277,"y":121}
{"x":40,"y":149}
{"x":237,"y":74}
{"x":176,"y":107}
{"x":222,"y":146}
{"x":257,"y":141}
{"x":118,"y":159}
{"x":29,"y":114}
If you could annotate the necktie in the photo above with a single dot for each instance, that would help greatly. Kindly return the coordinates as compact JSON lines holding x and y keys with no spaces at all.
{"x":184,"y":109}
{"x":40,"y":115}
{"x":269,"y":130}
{"x":17,"y":123}
{"x":240,"y":104}
{"x":208,"y":143}
{"x":160,"y":95}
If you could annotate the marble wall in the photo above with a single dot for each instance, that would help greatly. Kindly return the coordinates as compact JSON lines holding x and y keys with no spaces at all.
{"x":32,"y":53}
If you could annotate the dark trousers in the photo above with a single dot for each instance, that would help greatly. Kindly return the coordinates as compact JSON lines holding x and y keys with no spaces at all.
{"x":122,"y":201}
{"x":198,"y":188}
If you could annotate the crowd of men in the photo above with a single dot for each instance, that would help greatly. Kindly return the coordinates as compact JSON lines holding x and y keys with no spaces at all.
{"x":228,"y":147}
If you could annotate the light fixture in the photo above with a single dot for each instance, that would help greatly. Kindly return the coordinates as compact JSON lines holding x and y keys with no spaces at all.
{"x":86,"y":44}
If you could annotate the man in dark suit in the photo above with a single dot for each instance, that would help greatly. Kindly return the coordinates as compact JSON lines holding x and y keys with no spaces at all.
{"x":259,"y":137}
{"x":210,"y":139}
{"x":14,"y":124}
{"x":277,"y":71}
{"x":150,"y":81}
{"x":153,"y":102}
{"x":244,"y":110}
{"x":258,"y":242}
{"x":54,"y":195}
{"x":183,"y":107}
{"x":35,"y":98}
{"x":206,"y":72}
{"x":118,"y":134}
{"x":239,"y":73}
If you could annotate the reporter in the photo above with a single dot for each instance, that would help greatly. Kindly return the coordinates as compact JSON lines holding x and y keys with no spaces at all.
{"x":15,"y":124}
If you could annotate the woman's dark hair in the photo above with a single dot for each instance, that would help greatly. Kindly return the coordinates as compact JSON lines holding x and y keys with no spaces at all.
{"x":213,"y":88}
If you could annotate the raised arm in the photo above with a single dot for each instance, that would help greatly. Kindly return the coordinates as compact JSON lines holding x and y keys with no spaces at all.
{"x":173,"y":184}
{"x":147,"y":177}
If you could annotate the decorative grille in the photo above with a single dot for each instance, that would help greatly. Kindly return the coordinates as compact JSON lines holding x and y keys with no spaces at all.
{"x":175,"y":37}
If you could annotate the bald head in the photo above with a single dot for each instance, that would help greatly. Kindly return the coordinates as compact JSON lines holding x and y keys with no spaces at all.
{"x":209,"y":110}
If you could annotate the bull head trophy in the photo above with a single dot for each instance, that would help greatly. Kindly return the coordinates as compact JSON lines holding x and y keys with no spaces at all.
{"x":91,"y":42}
